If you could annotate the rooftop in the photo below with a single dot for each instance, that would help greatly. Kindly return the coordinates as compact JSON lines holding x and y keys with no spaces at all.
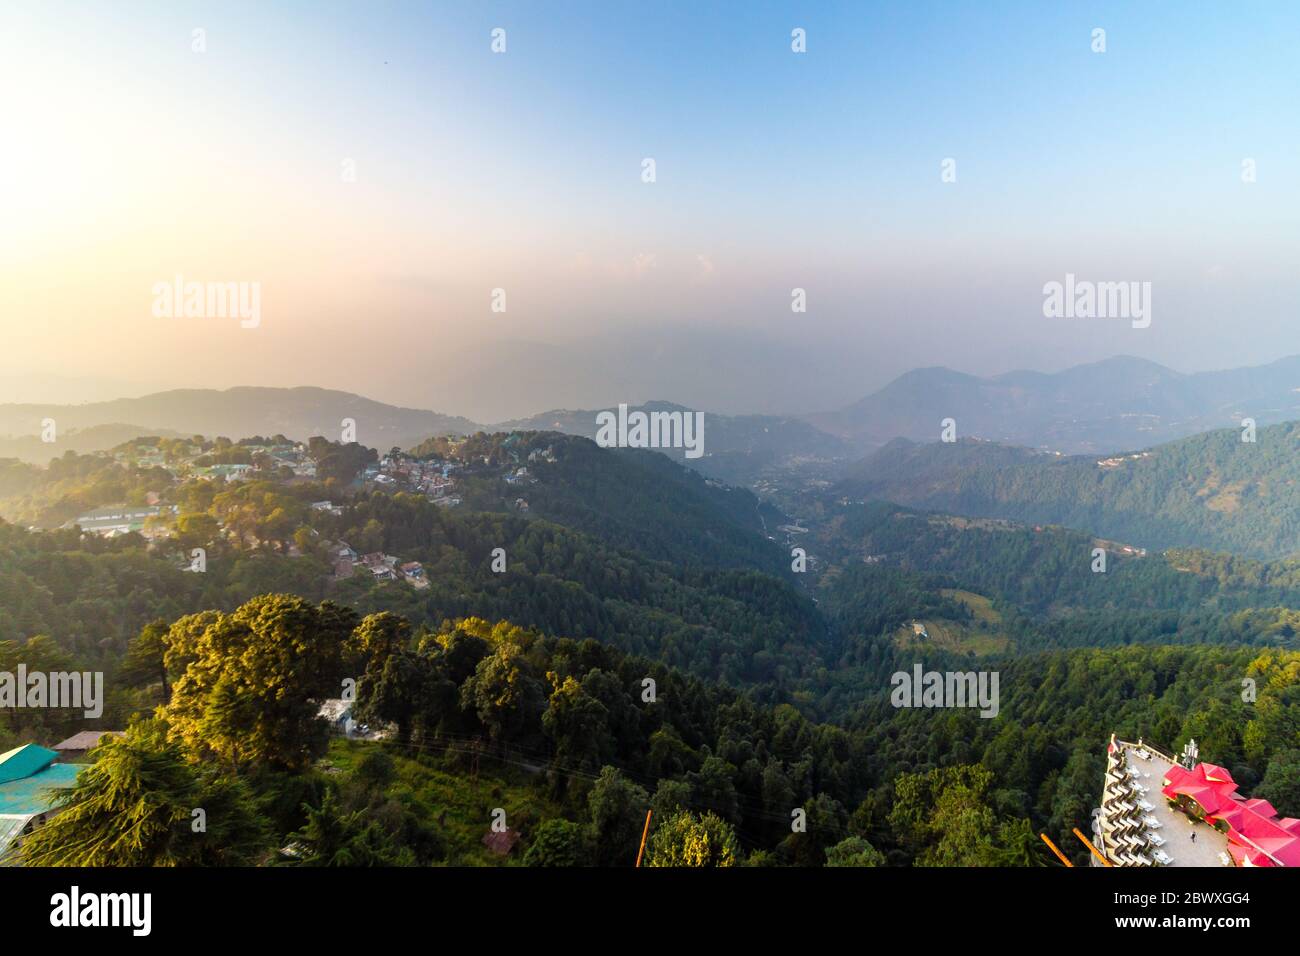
{"x":1176,"y":828}
{"x":24,"y":761}
{"x":1255,"y":834}
{"x":36,"y":792}
{"x":118,"y":513}
{"x":1235,"y":830}
{"x":86,"y":739}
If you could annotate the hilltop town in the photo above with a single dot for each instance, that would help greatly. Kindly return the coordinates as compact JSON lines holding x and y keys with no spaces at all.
{"x":269,"y":494}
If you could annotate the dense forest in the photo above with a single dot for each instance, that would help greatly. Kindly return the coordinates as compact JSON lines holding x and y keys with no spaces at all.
{"x":602,"y":736}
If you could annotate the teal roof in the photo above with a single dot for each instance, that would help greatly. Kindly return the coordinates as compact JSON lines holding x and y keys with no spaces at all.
{"x":37,"y":793}
{"x":24,"y":761}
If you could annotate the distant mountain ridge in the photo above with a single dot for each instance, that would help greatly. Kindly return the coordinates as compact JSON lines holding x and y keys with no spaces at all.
{"x":241,"y":412}
{"x":734,"y":446}
{"x":1108,"y":406}
{"x":1103,"y":407}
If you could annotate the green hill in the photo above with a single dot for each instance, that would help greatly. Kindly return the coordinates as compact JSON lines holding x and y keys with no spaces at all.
{"x":1209,"y":491}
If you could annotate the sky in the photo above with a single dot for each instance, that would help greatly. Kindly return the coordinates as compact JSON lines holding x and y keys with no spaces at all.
{"x":377,"y":170}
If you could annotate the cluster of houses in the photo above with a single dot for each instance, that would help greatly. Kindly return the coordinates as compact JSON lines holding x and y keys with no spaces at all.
{"x":271,"y":456}
{"x":381,"y":567}
{"x":400,"y":472}
{"x":115,"y":520}
{"x":293,"y":457}
{"x":435,"y":477}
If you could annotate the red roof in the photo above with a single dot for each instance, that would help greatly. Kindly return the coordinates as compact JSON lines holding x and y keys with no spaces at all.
{"x":1215,"y":774}
{"x":1256,"y":837}
{"x":1246,"y":857}
{"x":1262,"y":807}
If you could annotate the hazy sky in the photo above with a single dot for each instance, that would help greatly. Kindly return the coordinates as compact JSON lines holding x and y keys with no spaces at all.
{"x":128,"y":157}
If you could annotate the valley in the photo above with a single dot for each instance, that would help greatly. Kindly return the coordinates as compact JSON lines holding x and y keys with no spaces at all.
{"x":624,"y":562}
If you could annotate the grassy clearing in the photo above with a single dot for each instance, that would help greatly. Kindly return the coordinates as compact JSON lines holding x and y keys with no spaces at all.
{"x":981,"y":637}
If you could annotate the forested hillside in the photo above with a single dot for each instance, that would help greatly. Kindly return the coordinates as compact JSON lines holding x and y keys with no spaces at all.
{"x":1048,"y":568}
{"x":1212,"y":491}
{"x":628,"y":498}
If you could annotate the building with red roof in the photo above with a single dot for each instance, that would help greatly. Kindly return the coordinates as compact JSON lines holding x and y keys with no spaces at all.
{"x":1256,"y":835}
{"x":1133,"y":826}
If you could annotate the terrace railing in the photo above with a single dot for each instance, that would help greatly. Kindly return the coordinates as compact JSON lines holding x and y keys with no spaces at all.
{"x":1148,"y":746}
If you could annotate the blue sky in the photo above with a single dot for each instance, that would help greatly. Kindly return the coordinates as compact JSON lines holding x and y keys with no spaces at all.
{"x":775,"y":170}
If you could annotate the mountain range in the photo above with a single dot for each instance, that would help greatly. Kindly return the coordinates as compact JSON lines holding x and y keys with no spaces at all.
{"x":1115,"y":405}
{"x":1118,"y":404}
{"x":236,"y":413}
